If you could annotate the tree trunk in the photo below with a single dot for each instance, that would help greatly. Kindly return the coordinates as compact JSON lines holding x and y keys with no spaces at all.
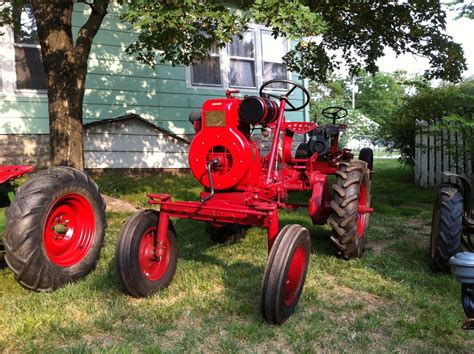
{"x":65,"y":66}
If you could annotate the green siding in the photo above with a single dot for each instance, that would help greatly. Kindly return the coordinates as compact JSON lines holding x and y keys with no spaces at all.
{"x":116,"y":84}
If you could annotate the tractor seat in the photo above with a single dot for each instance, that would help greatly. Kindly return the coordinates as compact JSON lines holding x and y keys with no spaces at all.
{"x":300,"y":127}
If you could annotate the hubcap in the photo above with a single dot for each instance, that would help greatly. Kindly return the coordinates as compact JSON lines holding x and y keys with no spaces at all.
{"x":295,"y":275}
{"x":68,"y":232}
{"x":153,"y":257}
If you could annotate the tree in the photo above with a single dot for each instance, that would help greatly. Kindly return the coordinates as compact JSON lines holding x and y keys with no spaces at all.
{"x":380,"y":94}
{"x":445,"y":109}
{"x":464,"y":8}
{"x":65,"y":66}
{"x":183,"y":32}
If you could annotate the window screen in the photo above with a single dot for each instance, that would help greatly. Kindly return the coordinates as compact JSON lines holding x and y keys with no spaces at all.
{"x":28,"y":64}
{"x":242,"y":61}
{"x":208,"y":71}
{"x":29,"y":69}
{"x":272,"y":52}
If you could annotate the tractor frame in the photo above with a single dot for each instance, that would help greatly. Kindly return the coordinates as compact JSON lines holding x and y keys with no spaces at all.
{"x":243,"y":188}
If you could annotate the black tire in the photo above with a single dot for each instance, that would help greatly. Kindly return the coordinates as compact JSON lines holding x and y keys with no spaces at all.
{"x":349,"y":226}
{"x":446,"y":226}
{"x":302,"y":151}
{"x":229,"y":234}
{"x":367,"y":155}
{"x":27,"y":236}
{"x":280,"y":295}
{"x":133,"y":278}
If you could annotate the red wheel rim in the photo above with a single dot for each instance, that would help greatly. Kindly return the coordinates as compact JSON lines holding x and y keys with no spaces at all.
{"x":294,"y":278}
{"x":153,"y":259}
{"x":362,"y":213}
{"x":69,"y":229}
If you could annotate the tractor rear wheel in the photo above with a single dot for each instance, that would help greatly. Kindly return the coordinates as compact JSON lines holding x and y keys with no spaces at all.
{"x":446,"y":226}
{"x":54,"y":229}
{"x":350,"y":217}
{"x":226,"y":234}
{"x":285,"y":273}
{"x":141,"y":271}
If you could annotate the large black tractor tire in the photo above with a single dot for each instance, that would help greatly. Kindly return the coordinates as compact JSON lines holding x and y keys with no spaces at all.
{"x":367,"y":155}
{"x":285,"y":273}
{"x":351,"y":194}
{"x":446,"y":226}
{"x":226,"y":234}
{"x":54,"y":229}
{"x":141,"y":271}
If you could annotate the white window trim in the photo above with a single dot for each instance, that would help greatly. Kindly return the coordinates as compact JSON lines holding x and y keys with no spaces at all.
{"x":225,"y":66}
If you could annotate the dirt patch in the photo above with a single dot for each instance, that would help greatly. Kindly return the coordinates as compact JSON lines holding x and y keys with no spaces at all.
{"x":415,"y":224}
{"x":377,"y":246}
{"x":118,"y":205}
{"x":341,"y":295}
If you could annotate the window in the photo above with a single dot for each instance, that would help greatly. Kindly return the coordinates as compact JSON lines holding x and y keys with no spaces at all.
{"x":242,"y":61}
{"x":208,"y":71}
{"x":246,"y":62}
{"x":28,"y":64}
{"x":272,"y":52}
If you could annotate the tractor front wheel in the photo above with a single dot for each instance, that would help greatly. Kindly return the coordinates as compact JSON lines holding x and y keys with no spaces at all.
{"x":351,"y":207}
{"x":285,"y":273}
{"x":143,"y":264}
{"x":54,"y":229}
{"x":446,"y":226}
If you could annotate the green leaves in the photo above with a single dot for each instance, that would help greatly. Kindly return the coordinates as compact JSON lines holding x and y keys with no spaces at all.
{"x":292,"y":19}
{"x":183,"y":32}
{"x":180,"y":32}
{"x":449,"y":108}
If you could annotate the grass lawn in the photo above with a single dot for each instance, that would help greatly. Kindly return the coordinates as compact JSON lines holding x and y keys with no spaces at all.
{"x":388,"y":300}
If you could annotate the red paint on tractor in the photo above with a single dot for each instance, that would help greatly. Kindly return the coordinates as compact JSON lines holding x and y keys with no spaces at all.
{"x":243,"y":188}
{"x":69,"y":229}
{"x":249,"y":189}
{"x":10,"y":172}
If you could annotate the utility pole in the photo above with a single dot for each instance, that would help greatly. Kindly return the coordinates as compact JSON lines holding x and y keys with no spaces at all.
{"x":353,"y":93}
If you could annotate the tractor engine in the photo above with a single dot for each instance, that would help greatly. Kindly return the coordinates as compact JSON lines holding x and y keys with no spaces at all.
{"x":222,"y":147}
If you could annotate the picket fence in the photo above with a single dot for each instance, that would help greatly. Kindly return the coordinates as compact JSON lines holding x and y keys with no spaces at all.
{"x":434,"y":154}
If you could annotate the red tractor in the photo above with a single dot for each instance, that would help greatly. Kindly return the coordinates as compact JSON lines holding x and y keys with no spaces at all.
{"x":53,"y":226}
{"x":244,"y":189}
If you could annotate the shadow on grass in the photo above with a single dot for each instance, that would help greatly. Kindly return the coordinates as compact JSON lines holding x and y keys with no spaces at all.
{"x":119,"y":185}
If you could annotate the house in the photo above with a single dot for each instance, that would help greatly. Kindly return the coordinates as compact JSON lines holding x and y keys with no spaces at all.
{"x":117,"y":85}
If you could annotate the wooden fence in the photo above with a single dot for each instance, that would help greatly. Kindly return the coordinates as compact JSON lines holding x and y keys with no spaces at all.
{"x":436,"y":153}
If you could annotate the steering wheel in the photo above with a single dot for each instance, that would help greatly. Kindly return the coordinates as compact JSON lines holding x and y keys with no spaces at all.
{"x":335,"y":113}
{"x":287,"y":94}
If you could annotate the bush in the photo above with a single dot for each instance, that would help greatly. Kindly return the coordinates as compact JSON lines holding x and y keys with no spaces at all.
{"x":450,"y":108}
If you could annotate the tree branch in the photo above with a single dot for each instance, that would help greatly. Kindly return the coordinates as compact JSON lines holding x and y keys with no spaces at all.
{"x":88,"y":31}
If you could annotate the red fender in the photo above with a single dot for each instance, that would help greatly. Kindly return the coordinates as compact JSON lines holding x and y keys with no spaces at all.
{"x":318,"y":208}
{"x":10,"y":172}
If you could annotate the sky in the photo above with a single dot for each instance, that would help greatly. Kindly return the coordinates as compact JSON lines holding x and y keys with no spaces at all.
{"x":461,"y":30}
